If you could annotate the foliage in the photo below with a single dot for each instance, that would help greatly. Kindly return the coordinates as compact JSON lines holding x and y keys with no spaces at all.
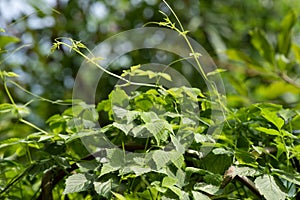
{"x":154,"y":146}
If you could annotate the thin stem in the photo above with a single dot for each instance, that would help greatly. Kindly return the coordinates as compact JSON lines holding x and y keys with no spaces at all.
{"x":33,"y":126}
{"x":15,"y":50}
{"x":92,"y":60}
{"x":8,"y":93}
{"x":181,"y":27}
{"x":183,"y":33}
{"x":37,"y":96}
{"x":28,"y":153}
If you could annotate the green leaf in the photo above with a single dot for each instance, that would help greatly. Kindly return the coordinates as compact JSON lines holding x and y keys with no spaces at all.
{"x":107,"y":168}
{"x":177,"y":191}
{"x":220,"y":150}
{"x":207,"y":188}
{"x":273,"y":118}
{"x":296,"y":51}
{"x":118,"y":97}
{"x":260,"y":42}
{"x":245,"y":171}
{"x":10,"y":141}
{"x":280,"y":148}
{"x":77,"y":183}
{"x":119,"y":196}
{"x":268,"y":131}
{"x":123,"y":127}
{"x":120,"y":112}
{"x":244,"y":157}
{"x":86,"y":166}
{"x":199,"y":195}
{"x":116,"y":157}
{"x":291,"y":177}
{"x":156,"y":127}
{"x":149,"y":116}
{"x":267,"y":186}
{"x":5,"y":40}
{"x":8,"y":74}
{"x":139,"y":170}
{"x":168,"y":182}
{"x":103,"y":188}
{"x":161,"y":158}
{"x":165,"y":76}
{"x":191,"y":170}
{"x":177,"y":144}
{"x":285,"y":35}
{"x":6,"y":107}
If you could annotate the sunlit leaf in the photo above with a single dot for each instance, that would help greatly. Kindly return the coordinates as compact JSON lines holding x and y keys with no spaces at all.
{"x":103,"y":188}
{"x":77,"y":183}
{"x":199,"y":195}
{"x":268,"y":188}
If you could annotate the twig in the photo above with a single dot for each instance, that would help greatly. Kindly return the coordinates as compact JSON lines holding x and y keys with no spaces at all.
{"x":288,"y":79}
{"x":230,"y":175}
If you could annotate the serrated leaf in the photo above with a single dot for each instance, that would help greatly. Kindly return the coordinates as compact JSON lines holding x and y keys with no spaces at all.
{"x":149,"y":116}
{"x":139,"y":170}
{"x":103,"y":188}
{"x":161,"y":158}
{"x":267,"y":186}
{"x":118,"y":97}
{"x":123,"y":127}
{"x":107,"y":168}
{"x":179,"y":162}
{"x":77,"y":183}
{"x":116,"y":157}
